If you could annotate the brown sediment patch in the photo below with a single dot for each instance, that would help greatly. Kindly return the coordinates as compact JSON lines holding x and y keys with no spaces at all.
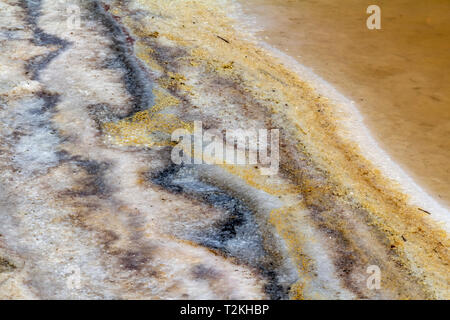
{"x":89,"y":179}
{"x":6,"y":265}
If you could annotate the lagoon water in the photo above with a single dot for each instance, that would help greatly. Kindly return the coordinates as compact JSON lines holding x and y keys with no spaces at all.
{"x":399,"y":76}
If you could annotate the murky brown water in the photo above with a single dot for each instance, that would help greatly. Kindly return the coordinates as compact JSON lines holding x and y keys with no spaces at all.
{"x":399,"y":76}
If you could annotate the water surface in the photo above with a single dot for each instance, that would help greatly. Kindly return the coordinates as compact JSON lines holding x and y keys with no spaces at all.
{"x":398,"y":76}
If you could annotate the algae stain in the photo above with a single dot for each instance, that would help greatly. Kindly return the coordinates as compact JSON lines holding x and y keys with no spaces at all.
{"x":144,"y":129}
{"x":6,"y":265}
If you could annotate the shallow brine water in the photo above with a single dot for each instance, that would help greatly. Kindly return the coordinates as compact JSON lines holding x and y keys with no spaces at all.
{"x":398,"y":76}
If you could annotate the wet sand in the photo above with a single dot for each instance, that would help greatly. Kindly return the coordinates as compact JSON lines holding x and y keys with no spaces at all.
{"x":399,"y":76}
